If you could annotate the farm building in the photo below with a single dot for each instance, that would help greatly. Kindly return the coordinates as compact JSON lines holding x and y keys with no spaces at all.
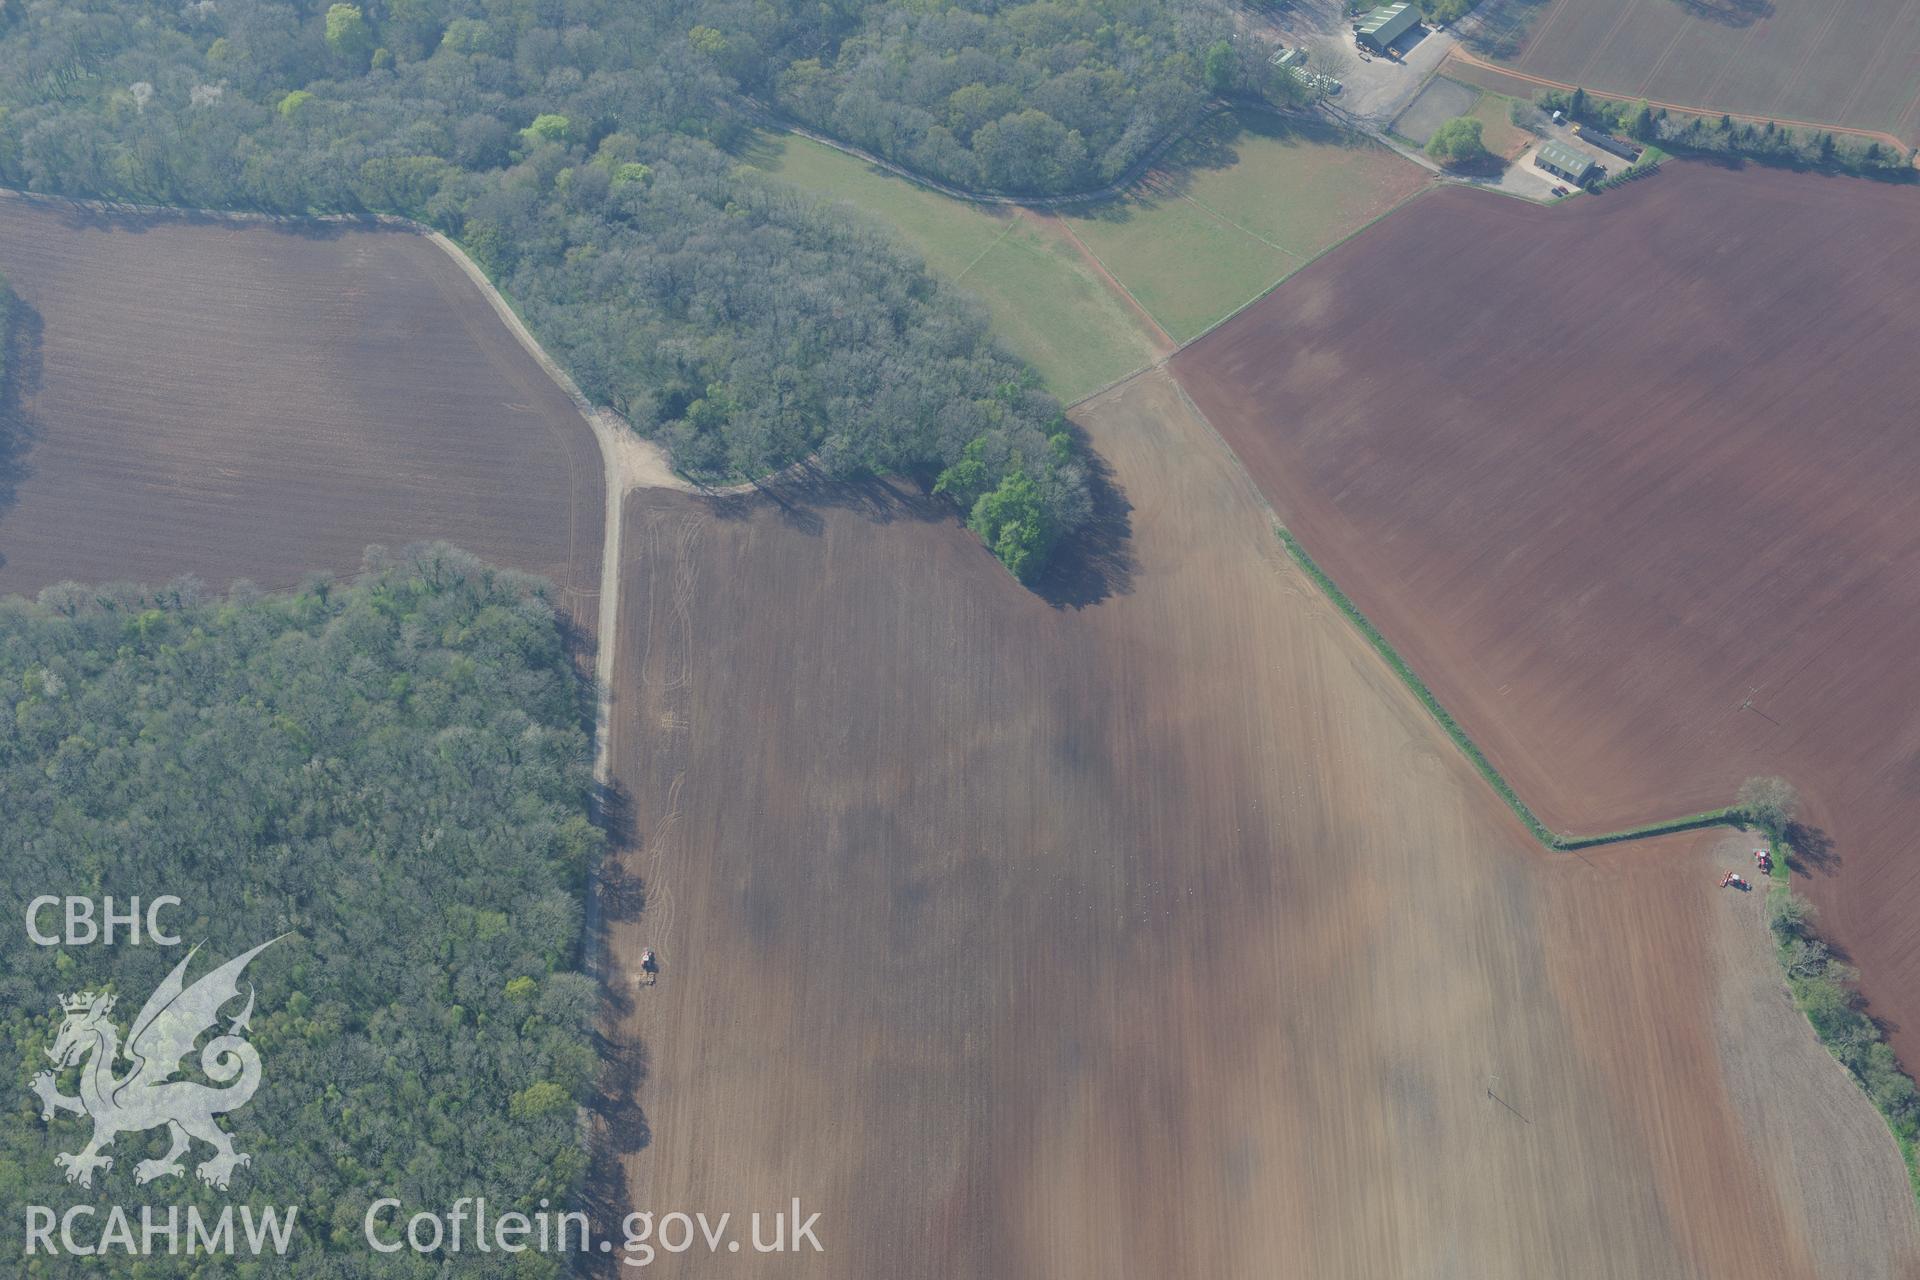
{"x":1563,"y":161}
{"x":1385,"y":25}
{"x":1607,"y":142}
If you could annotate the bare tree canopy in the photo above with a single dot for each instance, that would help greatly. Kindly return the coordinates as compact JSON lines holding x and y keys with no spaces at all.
{"x":1769,"y":802}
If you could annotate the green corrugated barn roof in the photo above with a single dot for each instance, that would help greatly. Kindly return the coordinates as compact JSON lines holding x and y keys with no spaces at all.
{"x":1387,"y":23}
{"x":1564,"y":159}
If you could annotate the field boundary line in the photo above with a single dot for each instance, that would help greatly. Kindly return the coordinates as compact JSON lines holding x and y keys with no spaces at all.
{"x":1207,"y":208}
{"x":991,"y":246}
{"x":1122,"y":380}
{"x":1167,"y":343}
{"x":1134,"y":172}
{"x":1468,"y":747}
{"x":616,"y":463}
{"x":1418,"y":687}
{"x":1309,"y":260}
{"x":1705,"y":113}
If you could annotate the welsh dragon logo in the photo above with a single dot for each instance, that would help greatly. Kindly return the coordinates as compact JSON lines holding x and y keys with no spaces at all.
{"x":146,"y":1096}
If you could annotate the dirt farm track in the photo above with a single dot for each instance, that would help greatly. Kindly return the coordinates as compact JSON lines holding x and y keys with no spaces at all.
{"x":1163,"y":936}
{"x":249,"y":400}
{"x":1730,"y":586}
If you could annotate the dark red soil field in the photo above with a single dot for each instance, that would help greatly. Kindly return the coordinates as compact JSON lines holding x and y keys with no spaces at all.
{"x":246,"y":400}
{"x":1159,"y":934}
{"x":1632,"y":484}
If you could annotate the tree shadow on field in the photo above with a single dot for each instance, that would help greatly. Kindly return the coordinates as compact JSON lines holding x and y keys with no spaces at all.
{"x":21,"y":331}
{"x":625,"y":1066}
{"x":1505,"y":35}
{"x":801,"y":494}
{"x":112,"y":215}
{"x":1728,"y":13}
{"x":1486,"y":168}
{"x":1097,"y":561}
{"x":1810,"y":849}
{"x":1093,"y":564}
{"x":619,"y":895}
{"x":617,"y":1125}
{"x":623,"y":894}
{"x":615,"y":815}
{"x":1215,"y":145}
{"x":617,"y":1128}
{"x":760,"y":146}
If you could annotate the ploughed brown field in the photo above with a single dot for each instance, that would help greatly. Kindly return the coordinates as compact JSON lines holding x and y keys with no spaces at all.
{"x":1159,"y":934}
{"x":1632,"y":484}
{"x":250,"y":400}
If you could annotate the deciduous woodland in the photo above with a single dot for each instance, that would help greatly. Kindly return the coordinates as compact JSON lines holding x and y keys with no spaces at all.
{"x":395,"y":773}
{"x":1034,"y":98}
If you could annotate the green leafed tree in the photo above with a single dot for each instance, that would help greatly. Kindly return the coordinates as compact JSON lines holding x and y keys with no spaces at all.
{"x":968,"y":477}
{"x":348,"y":34}
{"x":1012,"y":520}
{"x":1457,"y":143}
{"x":1220,"y":66}
{"x":547,"y":127}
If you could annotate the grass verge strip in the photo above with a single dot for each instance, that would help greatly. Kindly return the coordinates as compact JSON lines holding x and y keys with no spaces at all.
{"x":1692,"y":822}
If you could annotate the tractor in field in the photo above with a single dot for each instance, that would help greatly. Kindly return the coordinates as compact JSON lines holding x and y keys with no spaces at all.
{"x":649,"y":969}
{"x":1732,"y":880}
{"x":1763,"y":861}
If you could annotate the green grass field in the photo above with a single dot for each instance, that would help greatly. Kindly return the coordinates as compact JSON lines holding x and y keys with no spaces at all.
{"x":1048,"y":304}
{"x":1502,"y":136}
{"x":1242,"y":205}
